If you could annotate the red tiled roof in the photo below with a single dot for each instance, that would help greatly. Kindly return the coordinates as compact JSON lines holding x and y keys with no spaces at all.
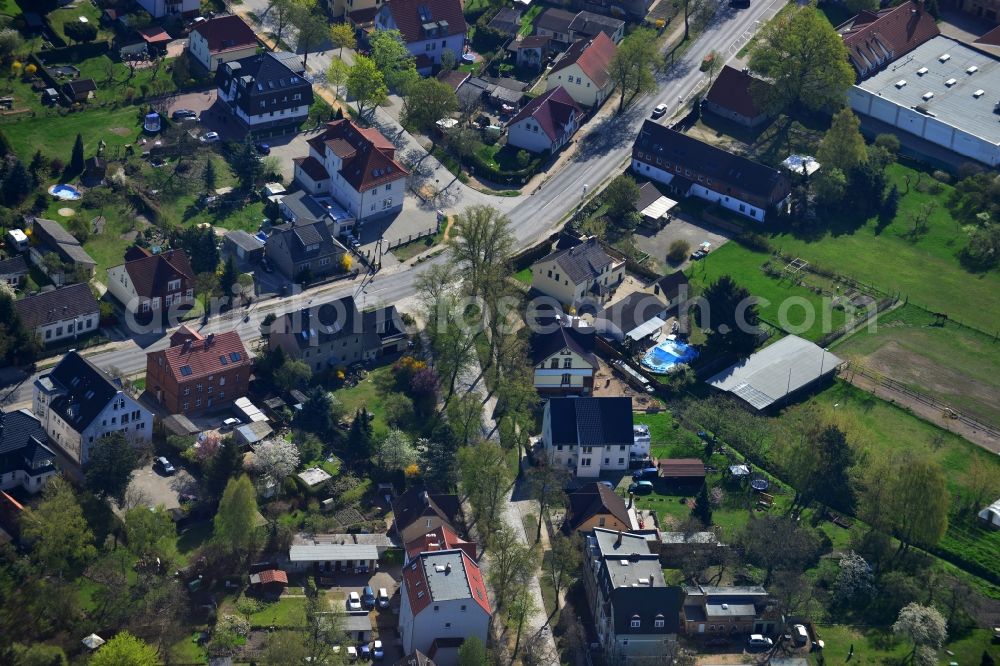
{"x":367,"y":157}
{"x":441,"y":538}
{"x":593,"y":57}
{"x":406,"y":15}
{"x":682,"y":468}
{"x":551,"y":110}
{"x":420,"y":591}
{"x":312,"y":166}
{"x":204,"y":357}
{"x":731,"y":90}
{"x":226,"y":33}
{"x":875,"y":38}
{"x":150,"y":274}
{"x":154,"y":34}
{"x":272,"y":576}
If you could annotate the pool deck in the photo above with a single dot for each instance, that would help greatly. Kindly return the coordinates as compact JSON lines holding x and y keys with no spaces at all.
{"x":609,"y":385}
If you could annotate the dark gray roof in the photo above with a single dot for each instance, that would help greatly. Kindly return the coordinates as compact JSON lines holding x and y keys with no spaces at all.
{"x":340,"y":318}
{"x":591,"y":421}
{"x":13,"y":266}
{"x":507,"y":21}
{"x":670,"y":285}
{"x":630,"y":312}
{"x":23,"y":444}
{"x":244,"y":240}
{"x":308,"y":240}
{"x":444,"y":586}
{"x":589,"y":24}
{"x":53,"y":235}
{"x":48,"y":307}
{"x":646,"y":605}
{"x":269,"y":78}
{"x":555,"y":20}
{"x":84,"y":390}
{"x":581,"y":262}
{"x":579,"y":341}
{"x":655,"y":141}
{"x":417,"y":502}
{"x":304,"y":207}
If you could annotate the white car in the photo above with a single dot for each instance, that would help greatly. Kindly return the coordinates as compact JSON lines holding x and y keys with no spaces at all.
{"x":229,"y":424}
{"x":383,"y":598}
{"x":352,"y":653}
{"x":659,"y":110}
{"x":210,"y":137}
{"x":354,"y":601}
{"x":759,"y":641}
{"x":377,"y":652}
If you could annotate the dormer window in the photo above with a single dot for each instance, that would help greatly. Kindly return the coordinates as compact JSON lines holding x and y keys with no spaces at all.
{"x":636,"y":622}
{"x":658,"y":622}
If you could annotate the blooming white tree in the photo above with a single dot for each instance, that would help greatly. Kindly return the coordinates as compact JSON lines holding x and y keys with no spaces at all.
{"x":925,"y":627}
{"x":855,"y":580}
{"x":275,"y":459}
{"x":395,"y":450}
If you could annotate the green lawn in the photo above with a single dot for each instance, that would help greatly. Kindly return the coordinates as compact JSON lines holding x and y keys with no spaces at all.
{"x":287,"y":612}
{"x":952,"y":363}
{"x":668,"y":438}
{"x":875,"y":646}
{"x":925,"y":270}
{"x":797,"y":309}
{"x":60,"y":17}
{"x":366,"y":394}
{"x":528,"y":20}
{"x":410,"y":250}
{"x":115,"y":83}
{"x":524,"y":276}
{"x":187,"y":650}
{"x":10,"y":8}
{"x":55,"y":135}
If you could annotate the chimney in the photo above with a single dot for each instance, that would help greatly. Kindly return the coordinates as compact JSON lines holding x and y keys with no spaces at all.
{"x":426,"y":498}
{"x":618,"y":541}
{"x":209,"y":340}
{"x":447,"y":568}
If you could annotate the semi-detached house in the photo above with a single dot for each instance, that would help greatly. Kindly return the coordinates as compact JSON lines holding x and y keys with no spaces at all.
{"x":584,"y":70}
{"x":149,"y":282}
{"x":61,"y":314}
{"x":428,"y":27}
{"x":583,"y":276}
{"x":588,"y":436}
{"x":77,"y":404}
{"x":267,"y":94}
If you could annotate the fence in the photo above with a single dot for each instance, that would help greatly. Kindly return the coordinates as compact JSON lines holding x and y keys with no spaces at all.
{"x":852,"y":368}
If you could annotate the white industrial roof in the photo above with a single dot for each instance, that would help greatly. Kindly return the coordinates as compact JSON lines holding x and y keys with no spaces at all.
{"x":332,"y":552}
{"x":957,"y":103}
{"x":775,"y":371}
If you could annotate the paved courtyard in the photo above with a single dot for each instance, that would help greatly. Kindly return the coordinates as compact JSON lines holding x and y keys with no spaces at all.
{"x":681,"y":227}
{"x":151,"y":488}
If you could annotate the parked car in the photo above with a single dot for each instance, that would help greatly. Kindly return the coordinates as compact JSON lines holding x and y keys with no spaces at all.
{"x":164,"y":466}
{"x":365,"y":650}
{"x":354,"y":601}
{"x":698,"y":254}
{"x":800,"y":635}
{"x":352,"y":653}
{"x":641,"y":487}
{"x":263,"y":148}
{"x":383,"y":598}
{"x":739,"y":4}
{"x":659,"y":110}
{"x":759,"y":641}
{"x":377,"y":652}
{"x":368,"y":597}
{"x":210,"y":137}
{"x":230,"y":423}
{"x":644,"y":473}
{"x":184,"y":114}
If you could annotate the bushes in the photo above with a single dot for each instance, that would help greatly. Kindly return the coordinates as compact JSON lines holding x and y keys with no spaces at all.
{"x":678,"y":251}
{"x":754,"y":241}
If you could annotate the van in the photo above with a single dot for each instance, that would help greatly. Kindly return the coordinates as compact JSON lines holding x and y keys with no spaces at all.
{"x":644,"y":473}
{"x":368,"y":597}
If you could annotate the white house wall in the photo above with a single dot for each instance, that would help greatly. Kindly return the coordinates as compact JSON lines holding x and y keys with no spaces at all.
{"x":532,"y":140}
{"x":732,"y":203}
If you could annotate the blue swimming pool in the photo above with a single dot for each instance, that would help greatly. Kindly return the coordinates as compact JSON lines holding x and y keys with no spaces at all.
{"x":65,"y":192}
{"x":665,"y":355}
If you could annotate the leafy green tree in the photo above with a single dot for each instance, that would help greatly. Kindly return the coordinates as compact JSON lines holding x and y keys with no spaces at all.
{"x":858,"y":6}
{"x":199,"y":244}
{"x":246,"y":165}
{"x":482,"y":244}
{"x":545,"y":484}
{"x":842,"y":146}
{"x":285,"y":12}
{"x":427,"y":101}
{"x":731,"y":317}
{"x":292,"y":374}
{"x":125,"y":650}
{"x":472,"y":652}
{"x":318,"y":411}
{"x":511,"y":563}
{"x":57,"y":532}
{"x":366,"y":84}
{"x":39,"y":654}
{"x":437,"y":459}
{"x":337,"y":74}
{"x":313,"y":30}
{"x":80,"y":32}
{"x":522,"y":605}
{"x":925,"y":628}
{"x":151,"y":533}
{"x":393,"y":59}
{"x":223,"y":467}
{"x":830,"y":186}
{"x":76,"y":158}
{"x":633,"y":64}
{"x":805,"y":61}
{"x":18,"y":344}
{"x":235,"y":521}
{"x":17,"y":184}
{"x":777,"y":543}
{"x":360,"y":438}
{"x":209,"y":175}
{"x":562,"y":568}
{"x":702,"y":509}
{"x":342,"y":36}
{"x":486,"y":478}
{"x":11,"y":43}
{"x":621,"y":195}
{"x":395,"y":451}
{"x":917,"y":503}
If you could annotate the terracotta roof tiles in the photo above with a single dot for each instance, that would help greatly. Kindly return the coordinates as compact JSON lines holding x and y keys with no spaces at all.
{"x":592,"y":56}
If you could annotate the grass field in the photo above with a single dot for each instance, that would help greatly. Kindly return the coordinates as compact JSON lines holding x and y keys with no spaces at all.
{"x":743,"y":265}
{"x":55,"y":135}
{"x":954,"y":364}
{"x":60,"y":17}
{"x":366,"y":394}
{"x":287,"y":612}
{"x":875,"y":646}
{"x":148,"y":80}
{"x":523,"y":276}
{"x":10,"y":8}
{"x":925,"y":269}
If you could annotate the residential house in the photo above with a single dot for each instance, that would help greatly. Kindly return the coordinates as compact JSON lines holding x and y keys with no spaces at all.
{"x":150,"y":283}
{"x":357,"y":167}
{"x":635,"y":612}
{"x":418,"y":512}
{"x":595,"y":505}
{"x":155,"y":38}
{"x":442,"y":537}
{"x":587,"y":25}
{"x":507,"y":21}
{"x":304,"y":250}
{"x":246,"y":248}
{"x":875,"y":39}
{"x":78,"y":403}
{"x":546,"y":123}
{"x":588,"y":436}
{"x":531,"y":52}
{"x":443,"y":601}
{"x":25,"y":460}
{"x":80,"y":90}
{"x":429,"y":28}
{"x":160,"y":8}
{"x":635,"y":317}
{"x":554,"y":23}
{"x":584,"y":70}
{"x":49,"y":237}
{"x":732,"y":97}
{"x":267,"y":93}
{"x":66,"y":313}
{"x":337,"y":334}
{"x":693,"y":168}
{"x":197,"y":373}
{"x":220,"y":40}
{"x":584,"y":275}
{"x":674,"y":288}
{"x":13,"y":271}
{"x":728,"y":611}
{"x":563,"y":357}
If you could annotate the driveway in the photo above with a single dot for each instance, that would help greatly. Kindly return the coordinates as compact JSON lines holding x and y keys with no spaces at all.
{"x":287,"y":147}
{"x":196,"y":101}
{"x":151,"y":488}
{"x":681,"y":227}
